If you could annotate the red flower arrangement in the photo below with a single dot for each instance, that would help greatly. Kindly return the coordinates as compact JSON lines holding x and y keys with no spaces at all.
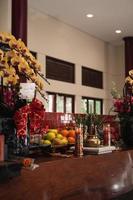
{"x":123,"y":104}
{"x":35,"y":113}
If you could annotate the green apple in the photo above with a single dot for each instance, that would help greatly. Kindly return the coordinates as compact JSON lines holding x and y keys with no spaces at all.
{"x":53,"y":130}
{"x":64,"y":141}
{"x":57,"y":141}
{"x":50,"y":136}
{"x":46,"y":142}
{"x":59,"y":136}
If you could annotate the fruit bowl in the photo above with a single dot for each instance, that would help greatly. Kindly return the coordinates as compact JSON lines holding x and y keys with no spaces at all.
{"x":59,"y":145}
{"x":62,"y":148}
{"x":34,"y":148}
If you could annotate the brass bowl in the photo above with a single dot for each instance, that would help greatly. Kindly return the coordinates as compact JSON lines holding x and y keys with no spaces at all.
{"x":93,"y":141}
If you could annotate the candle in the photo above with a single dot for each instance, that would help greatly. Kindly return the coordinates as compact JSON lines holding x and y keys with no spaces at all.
{"x":79,"y":141}
{"x":1,"y":147}
{"x":109,"y":135}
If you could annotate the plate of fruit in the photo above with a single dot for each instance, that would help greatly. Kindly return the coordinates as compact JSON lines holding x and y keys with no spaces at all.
{"x":59,"y":138}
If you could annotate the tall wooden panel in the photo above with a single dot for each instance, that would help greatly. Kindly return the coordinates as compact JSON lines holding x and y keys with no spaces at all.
{"x":128,"y":54}
{"x":19,"y":19}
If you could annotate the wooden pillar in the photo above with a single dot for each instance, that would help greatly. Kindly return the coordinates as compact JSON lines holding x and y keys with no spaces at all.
{"x":128,"y":54}
{"x":19,"y":23}
{"x":19,"y":19}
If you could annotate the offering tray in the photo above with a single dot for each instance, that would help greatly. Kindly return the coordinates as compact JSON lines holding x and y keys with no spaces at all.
{"x":97,"y":150}
{"x":38,"y":146}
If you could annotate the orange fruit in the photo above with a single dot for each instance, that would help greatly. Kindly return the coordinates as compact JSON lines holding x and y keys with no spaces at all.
{"x":27,"y":162}
{"x":71,"y":140}
{"x":72,"y":133}
{"x":65,"y":132}
{"x":78,"y":131}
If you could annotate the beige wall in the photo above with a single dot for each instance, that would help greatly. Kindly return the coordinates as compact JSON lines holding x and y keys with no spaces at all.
{"x":5,"y":15}
{"x":48,"y":36}
{"x":114,"y":72}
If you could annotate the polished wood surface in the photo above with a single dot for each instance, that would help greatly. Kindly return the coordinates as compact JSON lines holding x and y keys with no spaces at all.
{"x":98,"y":177}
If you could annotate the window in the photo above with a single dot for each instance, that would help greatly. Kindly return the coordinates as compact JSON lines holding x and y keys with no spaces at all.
{"x":91,"y":105}
{"x":60,"y":70}
{"x":92,"y":78}
{"x":60,"y":103}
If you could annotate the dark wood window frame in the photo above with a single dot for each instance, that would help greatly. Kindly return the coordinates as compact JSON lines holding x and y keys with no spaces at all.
{"x":94,"y":99}
{"x":92,"y":77}
{"x":60,"y":70}
{"x":65,"y":96}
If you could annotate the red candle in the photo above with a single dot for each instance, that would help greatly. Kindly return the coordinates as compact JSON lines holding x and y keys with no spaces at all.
{"x":109,"y":135}
{"x":1,"y":147}
{"x":79,"y":141}
{"x":105,"y":135}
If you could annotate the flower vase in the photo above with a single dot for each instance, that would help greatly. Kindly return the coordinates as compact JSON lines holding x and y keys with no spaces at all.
{"x":127,"y":131}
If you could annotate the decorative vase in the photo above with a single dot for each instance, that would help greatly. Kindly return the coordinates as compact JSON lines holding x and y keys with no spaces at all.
{"x":127,"y":131}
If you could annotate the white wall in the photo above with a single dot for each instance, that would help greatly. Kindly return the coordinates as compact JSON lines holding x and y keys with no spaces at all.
{"x":5,"y":15}
{"x":48,"y":36}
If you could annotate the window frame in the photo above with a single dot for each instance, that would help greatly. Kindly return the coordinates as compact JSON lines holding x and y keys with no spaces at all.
{"x":65,"y":96}
{"x":94,"y":99}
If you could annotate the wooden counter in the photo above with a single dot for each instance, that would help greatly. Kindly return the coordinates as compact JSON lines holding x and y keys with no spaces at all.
{"x":95,"y":177}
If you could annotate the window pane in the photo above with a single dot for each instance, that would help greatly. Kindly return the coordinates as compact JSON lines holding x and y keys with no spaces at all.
{"x":50,"y":104}
{"x":84,"y":106}
{"x":98,"y":107}
{"x":60,"y":103}
{"x":68,"y":105}
{"x":91,"y":106}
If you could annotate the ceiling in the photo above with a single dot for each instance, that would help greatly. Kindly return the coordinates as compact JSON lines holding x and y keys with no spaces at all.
{"x":109,"y":15}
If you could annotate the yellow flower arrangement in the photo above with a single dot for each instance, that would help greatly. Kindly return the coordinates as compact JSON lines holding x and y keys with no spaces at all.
{"x":18,"y":60}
